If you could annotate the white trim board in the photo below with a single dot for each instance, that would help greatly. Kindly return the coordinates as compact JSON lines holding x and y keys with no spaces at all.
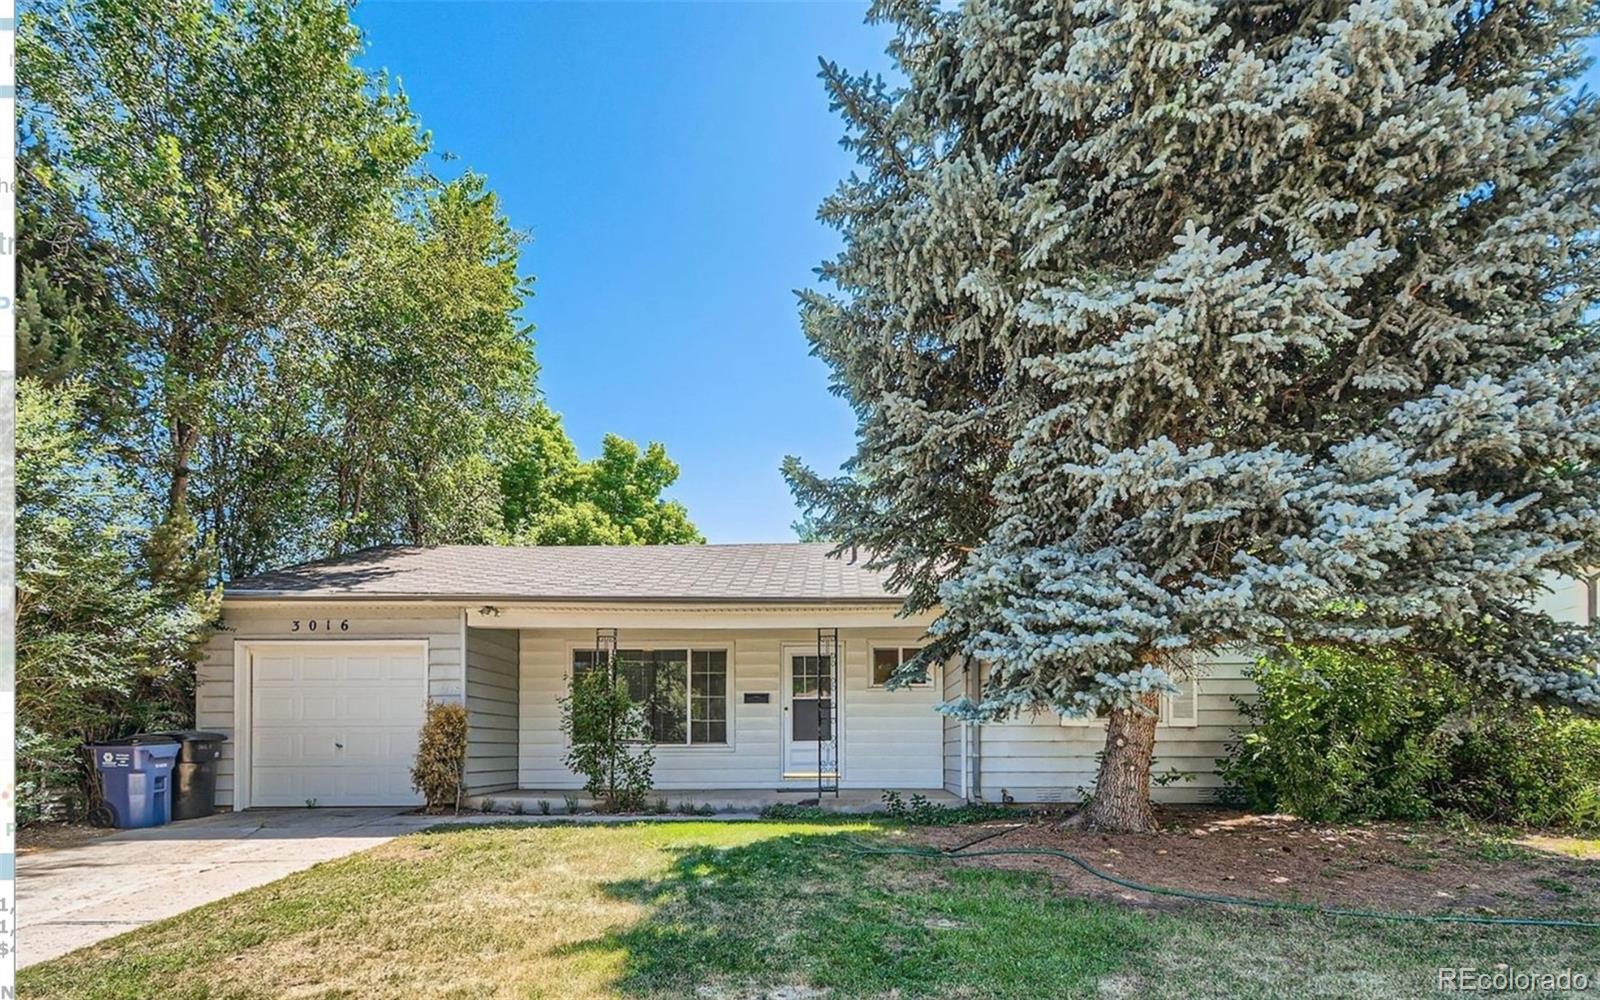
{"x":686,"y":616}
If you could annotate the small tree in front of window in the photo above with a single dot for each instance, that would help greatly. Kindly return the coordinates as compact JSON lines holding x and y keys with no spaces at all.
{"x":608,"y":740}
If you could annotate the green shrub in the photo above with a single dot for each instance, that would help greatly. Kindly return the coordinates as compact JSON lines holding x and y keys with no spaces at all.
{"x":439,"y":768}
{"x":794,"y":813}
{"x":100,"y":651}
{"x":1335,"y":737}
{"x":1339,"y":736}
{"x":1536,"y":767}
{"x":919,"y":811}
{"x":607,"y":741}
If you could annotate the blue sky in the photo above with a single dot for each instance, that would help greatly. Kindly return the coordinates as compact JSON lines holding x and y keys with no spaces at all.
{"x":667,"y":160}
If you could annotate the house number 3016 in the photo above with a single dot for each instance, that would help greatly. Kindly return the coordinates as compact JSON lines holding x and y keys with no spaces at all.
{"x":316,"y":624}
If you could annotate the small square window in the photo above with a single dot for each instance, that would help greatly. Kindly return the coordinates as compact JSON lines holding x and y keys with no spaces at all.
{"x":886,"y":660}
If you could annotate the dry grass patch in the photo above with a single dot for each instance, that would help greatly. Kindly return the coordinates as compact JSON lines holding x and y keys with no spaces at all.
{"x":1582,"y":848}
{"x":479,"y":912}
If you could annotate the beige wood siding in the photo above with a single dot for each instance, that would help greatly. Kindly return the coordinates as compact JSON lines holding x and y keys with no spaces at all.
{"x":1037,"y":759}
{"x":1564,"y":599}
{"x":493,"y":672}
{"x":890,"y":738}
{"x":214,"y":687}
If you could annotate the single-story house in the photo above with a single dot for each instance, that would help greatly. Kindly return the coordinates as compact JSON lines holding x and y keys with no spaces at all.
{"x":761,"y":668}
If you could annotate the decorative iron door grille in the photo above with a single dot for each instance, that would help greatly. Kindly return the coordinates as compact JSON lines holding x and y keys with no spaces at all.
{"x":605,"y":650}
{"x":828,"y":712}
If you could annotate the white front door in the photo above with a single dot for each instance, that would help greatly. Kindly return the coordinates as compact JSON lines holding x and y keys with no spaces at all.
{"x":810,"y":713}
{"x":335,"y":724}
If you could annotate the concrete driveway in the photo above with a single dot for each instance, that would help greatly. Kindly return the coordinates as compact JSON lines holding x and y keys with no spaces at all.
{"x":74,"y":896}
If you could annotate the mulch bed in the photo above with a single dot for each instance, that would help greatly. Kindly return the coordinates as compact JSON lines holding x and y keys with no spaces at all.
{"x":1396,"y":867}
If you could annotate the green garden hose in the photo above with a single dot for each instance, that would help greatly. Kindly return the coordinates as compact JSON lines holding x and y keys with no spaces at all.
{"x":856,"y":847}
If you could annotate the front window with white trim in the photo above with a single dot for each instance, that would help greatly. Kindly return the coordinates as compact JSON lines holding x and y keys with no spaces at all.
{"x":684,"y":692}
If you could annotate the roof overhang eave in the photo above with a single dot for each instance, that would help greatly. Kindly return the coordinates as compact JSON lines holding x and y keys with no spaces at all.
{"x":323,"y":597}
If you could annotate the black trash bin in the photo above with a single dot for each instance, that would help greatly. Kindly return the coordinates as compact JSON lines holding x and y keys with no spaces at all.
{"x":194,"y":774}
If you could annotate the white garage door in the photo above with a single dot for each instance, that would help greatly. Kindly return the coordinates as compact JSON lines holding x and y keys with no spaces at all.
{"x":335,"y":723}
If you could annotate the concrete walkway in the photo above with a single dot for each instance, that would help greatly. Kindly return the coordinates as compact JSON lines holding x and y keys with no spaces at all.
{"x":75,"y":896}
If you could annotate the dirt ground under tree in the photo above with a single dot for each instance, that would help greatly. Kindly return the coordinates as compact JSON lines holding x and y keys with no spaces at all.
{"x":1390,"y":866}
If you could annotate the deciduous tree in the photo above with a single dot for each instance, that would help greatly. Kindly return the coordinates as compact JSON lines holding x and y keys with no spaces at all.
{"x":554,"y":498}
{"x":254,"y":329}
{"x":228,"y":151}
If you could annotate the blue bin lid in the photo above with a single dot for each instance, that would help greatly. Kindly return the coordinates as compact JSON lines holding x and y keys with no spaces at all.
{"x":139,"y":740}
{"x":106,"y":753}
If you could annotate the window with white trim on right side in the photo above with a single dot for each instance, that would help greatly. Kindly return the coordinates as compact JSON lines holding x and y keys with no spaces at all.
{"x":1181,"y":710}
{"x":887,"y":659}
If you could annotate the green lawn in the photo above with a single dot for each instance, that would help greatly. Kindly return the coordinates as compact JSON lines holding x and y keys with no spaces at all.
{"x":707,"y":910}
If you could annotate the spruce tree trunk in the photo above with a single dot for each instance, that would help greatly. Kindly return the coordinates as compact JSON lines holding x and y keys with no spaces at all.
{"x":1121,"y":801}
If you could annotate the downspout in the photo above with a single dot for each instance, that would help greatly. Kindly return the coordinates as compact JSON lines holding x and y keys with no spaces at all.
{"x":462,"y":791}
{"x":966,"y":757}
{"x":972,"y":739}
{"x":463,"y":694}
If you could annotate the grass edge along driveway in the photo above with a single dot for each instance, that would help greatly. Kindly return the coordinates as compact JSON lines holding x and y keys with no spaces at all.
{"x":737,"y":909}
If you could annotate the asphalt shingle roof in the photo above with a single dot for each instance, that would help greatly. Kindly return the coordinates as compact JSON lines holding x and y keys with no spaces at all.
{"x":767,"y":573}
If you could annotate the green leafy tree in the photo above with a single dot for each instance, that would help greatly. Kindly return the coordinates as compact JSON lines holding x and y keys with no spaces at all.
{"x":266,"y":493}
{"x":542,"y":469}
{"x":608,"y":740}
{"x":1173,"y":327}
{"x":71,"y":320}
{"x":227,"y":150}
{"x":100,"y":653}
{"x":381,"y":424}
{"x":429,"y":366}
{"x":551,"y":497}
{"x":263,"y":328}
